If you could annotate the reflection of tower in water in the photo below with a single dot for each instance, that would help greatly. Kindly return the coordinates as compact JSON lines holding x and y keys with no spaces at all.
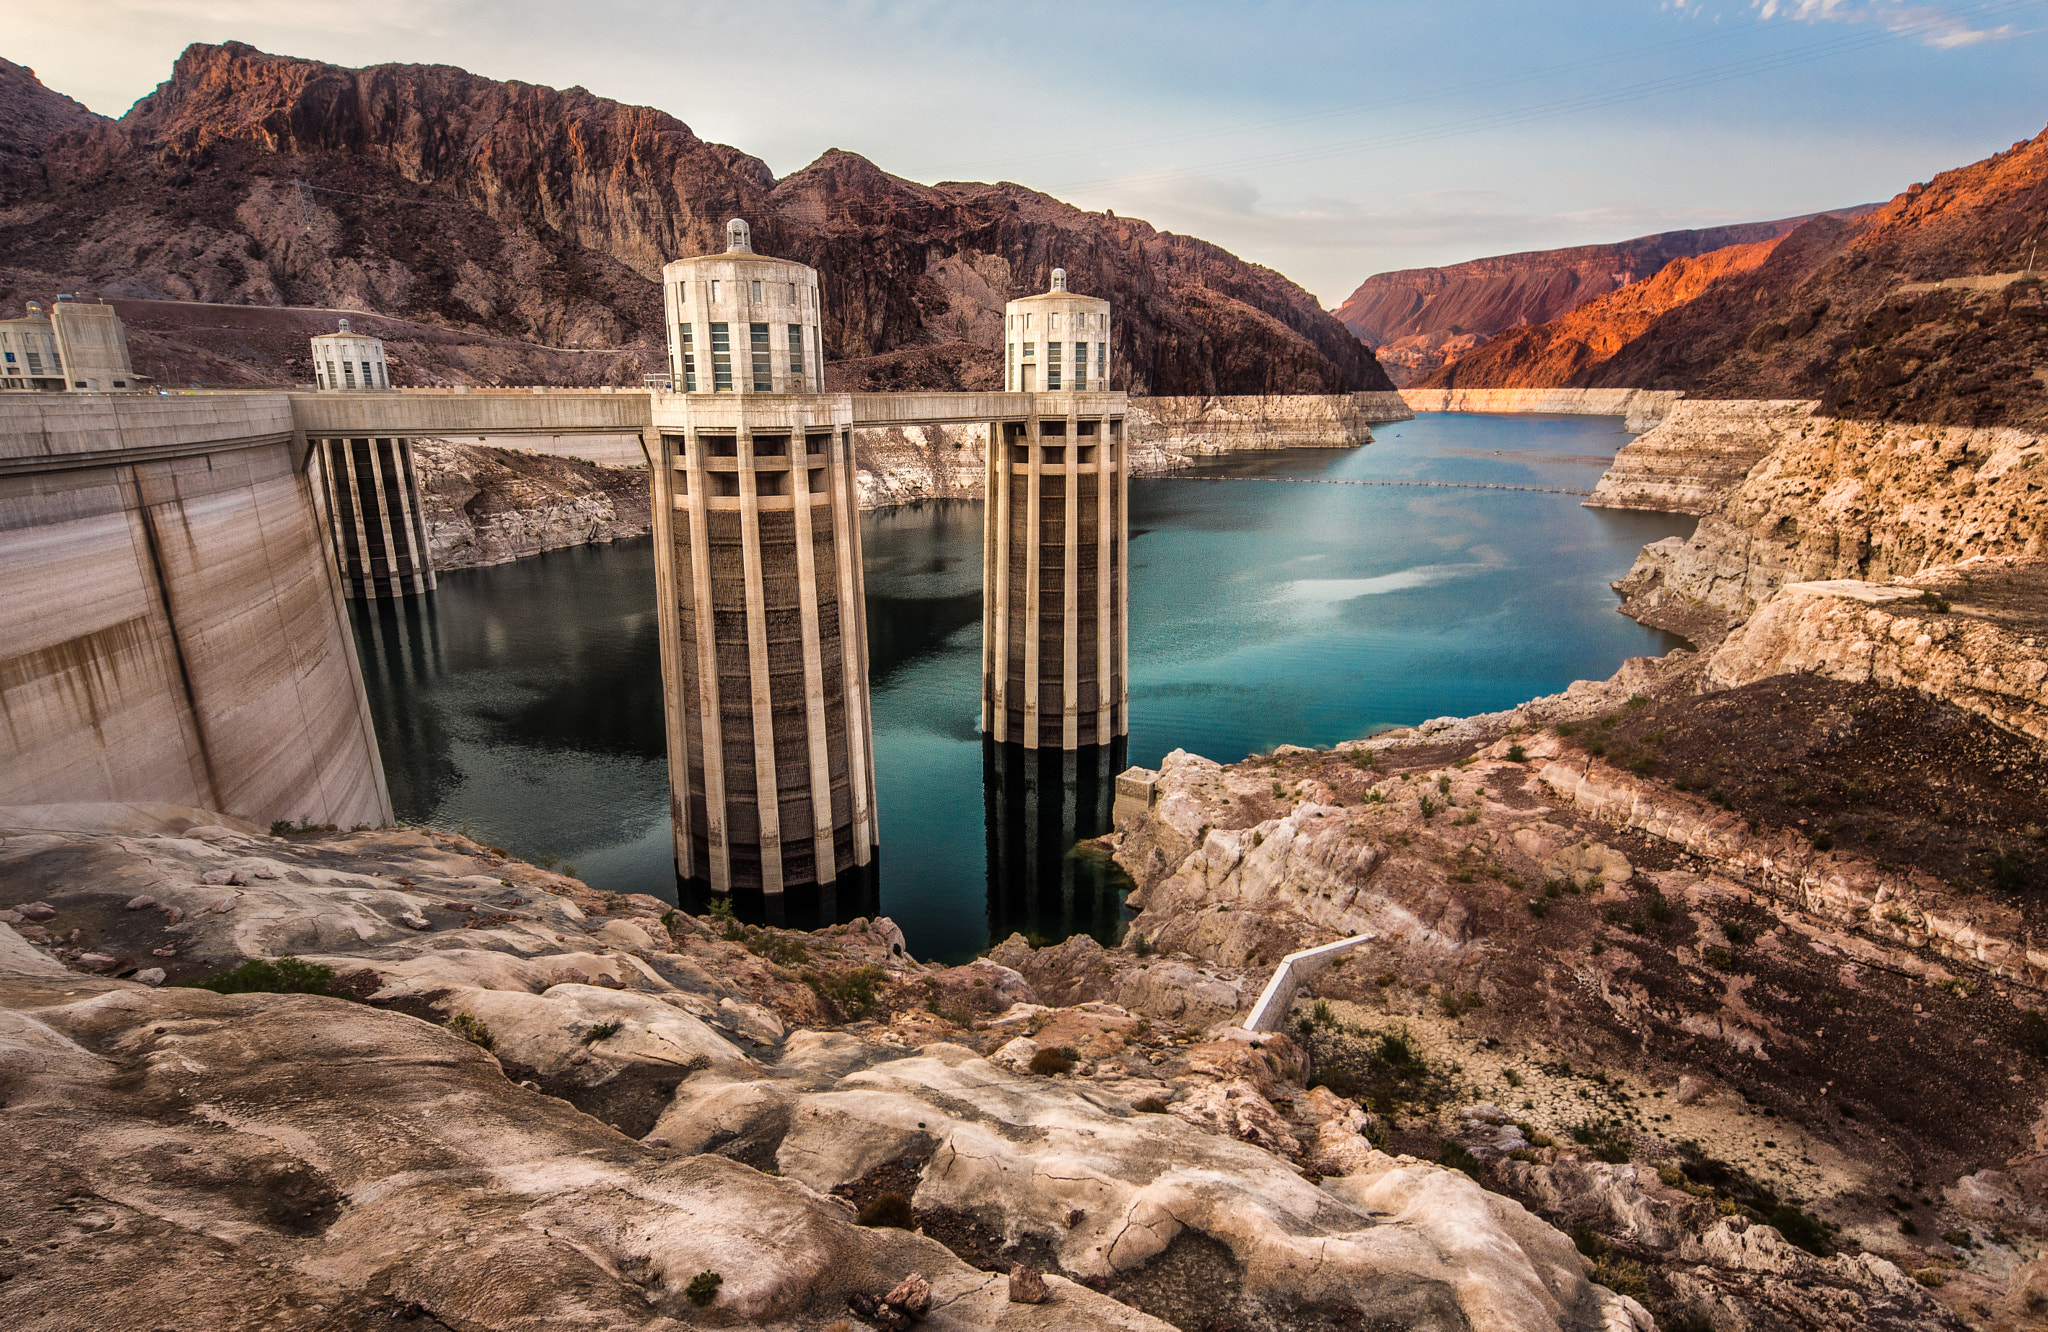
{"x":1040,"y":803}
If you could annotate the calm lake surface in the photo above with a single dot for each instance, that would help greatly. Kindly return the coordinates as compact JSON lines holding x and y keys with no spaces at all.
{"x":524,"y":700}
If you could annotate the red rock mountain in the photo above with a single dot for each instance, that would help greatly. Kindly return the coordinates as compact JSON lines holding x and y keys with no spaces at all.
{"x":1423,"y":318}
{"x":1922,"y":310}
{"x":543,"y":216}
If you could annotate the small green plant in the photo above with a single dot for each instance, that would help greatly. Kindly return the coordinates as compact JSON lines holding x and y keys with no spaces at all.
{"x":1732,"y":930}
{"x":602,"y":1031}
{"x":854,"y":993}
{"x":1149,"y":1105}
{"x":1458,"y":1157}
{"x":1623,"y":1276}
{"x":1636,"y":701}
{"x":473,"y":1030}
{"x":1658,"y":908}
{"x":283,"y":975}
{"x":1596,"y":747}
{"x":1720,"y":959}
{"x":721,"y":910}
{"x":1511,"y":1077}
{"x":703,"y":1288}
{"x":1906,"y":1226}
{"x":1321,"y":1015}
{"x":1443,"y":784}
{"x":1590,"y":1243}
{"x":1140,"y":945}
{"x":1061,"y":1059}
{"x":888,"y":1209}
{"x":1517,"y":754}
{"x":1932,"y":601}
{"x":1538,"y":907}
{"x":1428,"y":807}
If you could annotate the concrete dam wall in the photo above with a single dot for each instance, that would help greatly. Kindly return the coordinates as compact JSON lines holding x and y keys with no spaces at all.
{"x":171,"y":625}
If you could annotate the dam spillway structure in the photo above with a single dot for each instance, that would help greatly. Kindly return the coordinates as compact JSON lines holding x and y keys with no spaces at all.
{"x":1055,"y":545}
{"x":369,"y":485}
{"x":757,"y":552}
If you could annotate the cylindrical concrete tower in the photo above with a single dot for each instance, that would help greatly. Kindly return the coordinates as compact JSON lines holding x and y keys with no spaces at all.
{"x":740,"y":322}
{"x":1055,"y":654}
{"x":1056,"y":342}
{"x":757,"y":543}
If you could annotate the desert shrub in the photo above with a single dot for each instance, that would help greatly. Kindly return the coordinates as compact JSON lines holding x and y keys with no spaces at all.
{"x":283,"y":975}
{"x":1537,"y":907}
{"x":1604,"y":1140}
{"x":1048,"y":1062}
{"x":1140,"y":945}
{"x":1149,"y":1105}
{"x":1623,"y":1276}
{"x":889,"y":1209}
{"x":1658,"y":908}
{"x":1720,"y":959}
{"x":473,"y":1030}
{"x":1932,"y":601}
{"x":602,"y":1031}
{"x":854,"y":993}
{"x":703,"y":1288}
{"x":1458,"y":1157}
{"x":1517,"y":754}
{"x":2032,"y":1033}
{"x":1386,"y":978}
{"x":1428,"y":807}
{"x":1511,"y":1077}
{"x":1589,"y":1243}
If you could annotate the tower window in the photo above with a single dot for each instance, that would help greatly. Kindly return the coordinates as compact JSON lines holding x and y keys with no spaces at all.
{"x":1030,"y":351}
{"x":721,"y":358}
{"x":682,"y":293}
{"x":1101,"y":362}
{"x":1052,"y":367}
{"x":792,"y":293}
{"x":714,"y":289}
{"x":688,"y":339}
{"x":757,"y":293}
{"x":1080,"y":366}
{"x":796,"y":352}
{"x":1053,"y":320}
{"x":757,"y":340}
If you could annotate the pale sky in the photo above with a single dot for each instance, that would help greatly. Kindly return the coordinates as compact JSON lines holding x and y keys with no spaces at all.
{"x":1327,"y":140}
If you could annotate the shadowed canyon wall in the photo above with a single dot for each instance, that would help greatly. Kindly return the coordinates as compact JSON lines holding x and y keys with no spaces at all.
{"x":510,"y":212}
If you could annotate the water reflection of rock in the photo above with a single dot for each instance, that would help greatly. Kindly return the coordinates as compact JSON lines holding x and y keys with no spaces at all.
{"x":1040,"y":803}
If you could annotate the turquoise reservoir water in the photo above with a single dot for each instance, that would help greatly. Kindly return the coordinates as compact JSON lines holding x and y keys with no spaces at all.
{"x":524,"y":700}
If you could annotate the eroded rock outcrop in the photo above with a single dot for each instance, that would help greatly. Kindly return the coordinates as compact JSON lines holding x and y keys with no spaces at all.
{"x":487,"y":505}
{"x":1697,"y":451}
{"x":516,"y":1099}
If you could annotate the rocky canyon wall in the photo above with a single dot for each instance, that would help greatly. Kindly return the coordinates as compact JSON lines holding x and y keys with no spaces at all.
{"x":1694,"y":453}
{"x":1642,"y":408}
{"x":486,"y":505}
{"x":505,"y":210}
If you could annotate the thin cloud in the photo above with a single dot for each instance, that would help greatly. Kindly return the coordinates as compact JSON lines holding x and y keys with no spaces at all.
{"x":1942,"y":28}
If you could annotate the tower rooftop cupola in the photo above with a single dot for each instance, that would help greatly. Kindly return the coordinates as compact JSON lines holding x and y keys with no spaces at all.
{"x":1056,"y":341}
{"x":738,"y":237}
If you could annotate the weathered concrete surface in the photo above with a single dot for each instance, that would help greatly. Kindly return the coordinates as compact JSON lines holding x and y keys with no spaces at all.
{"x":170,"y":625}
{"x":1644,"y":408}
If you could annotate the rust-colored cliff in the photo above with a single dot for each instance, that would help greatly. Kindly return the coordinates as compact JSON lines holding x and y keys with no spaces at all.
{"x":1924,"y":310}
{"x":512,"y":211}
{"x":1424,"y":318}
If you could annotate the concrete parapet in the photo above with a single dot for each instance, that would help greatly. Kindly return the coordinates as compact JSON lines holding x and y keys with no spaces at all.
{"x":171,"y":629}
{"x":1294,"y":971}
